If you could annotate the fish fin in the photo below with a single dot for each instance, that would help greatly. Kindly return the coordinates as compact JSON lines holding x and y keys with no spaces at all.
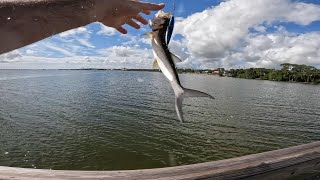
{"x":149,"y":34}
{"x":155,"y":64}
{"x":185,"y":94}
{"x":175,"y":58}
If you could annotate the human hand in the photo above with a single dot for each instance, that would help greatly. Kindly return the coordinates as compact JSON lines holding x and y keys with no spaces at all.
{"x":115,"y":13}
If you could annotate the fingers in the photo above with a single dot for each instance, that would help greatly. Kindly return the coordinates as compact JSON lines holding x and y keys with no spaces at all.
{"x":150,"y":6}
{"x":140,"y":19}
{"x":146,"y":12}
{"x":130,"y":22}
{"x":146,"y":7}
{"x":131,"y":12}
{"x":122,"y":30}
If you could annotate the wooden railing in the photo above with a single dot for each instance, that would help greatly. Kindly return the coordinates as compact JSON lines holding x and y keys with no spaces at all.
{"x":278,"y":164}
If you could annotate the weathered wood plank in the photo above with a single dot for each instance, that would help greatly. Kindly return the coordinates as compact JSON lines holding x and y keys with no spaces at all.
{"x":279,"y":164}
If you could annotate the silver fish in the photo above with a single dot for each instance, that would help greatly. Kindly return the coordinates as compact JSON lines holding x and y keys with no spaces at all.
{"x":166,"y":61}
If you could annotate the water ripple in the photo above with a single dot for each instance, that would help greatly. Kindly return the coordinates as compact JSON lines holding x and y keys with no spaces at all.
{"x":109,"y":120}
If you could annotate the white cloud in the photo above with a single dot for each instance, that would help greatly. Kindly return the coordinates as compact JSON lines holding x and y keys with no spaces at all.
{"x":106,"y":31}
{"x":79,"y":35}
{"x":219,"y":36}
{"x":121,"y":51}
{"x":126,"y":56}
{"x":302,"y":13}
{"x":30,"y":52}
{"x":232,"y":34}
{"x":261,"y":29}
{"x":10,"y":57}
{"x":13,"y":55}
{"x":79,"y":30}
{"x":113,"y":57}
{"x":58,"y":49}
{"x":85,"y":42}
{"x":303,"y":48}
{"x":126,"y":52}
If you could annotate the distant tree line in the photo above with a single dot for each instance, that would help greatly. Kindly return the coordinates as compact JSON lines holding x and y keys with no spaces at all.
{"x":289,"y":72}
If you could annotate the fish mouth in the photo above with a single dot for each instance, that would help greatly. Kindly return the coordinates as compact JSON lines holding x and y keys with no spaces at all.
{"x":160,"y":21}
{"x":163,"y":14}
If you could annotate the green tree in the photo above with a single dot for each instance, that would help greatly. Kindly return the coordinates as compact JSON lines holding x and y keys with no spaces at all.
{"x":221,"y":71}
{"x":287,"y":71}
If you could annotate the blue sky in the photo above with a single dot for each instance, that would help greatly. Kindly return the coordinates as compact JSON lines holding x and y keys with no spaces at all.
{"x":231,"y":34}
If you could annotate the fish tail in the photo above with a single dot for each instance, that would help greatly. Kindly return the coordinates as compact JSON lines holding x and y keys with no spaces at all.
{"x":195,"y":93}
{"x":179,"y":100}
{"x":185,"y":93}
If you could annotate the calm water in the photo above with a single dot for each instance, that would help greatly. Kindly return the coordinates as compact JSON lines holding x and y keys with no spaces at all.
{"x":110,"y":120}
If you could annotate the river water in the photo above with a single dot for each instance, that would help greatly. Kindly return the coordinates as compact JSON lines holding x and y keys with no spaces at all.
{"x":111,"y":120}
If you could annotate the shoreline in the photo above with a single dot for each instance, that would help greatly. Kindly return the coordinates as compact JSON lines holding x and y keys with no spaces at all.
{"x":180,"y":71}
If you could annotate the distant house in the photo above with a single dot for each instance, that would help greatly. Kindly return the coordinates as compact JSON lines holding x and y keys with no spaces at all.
{"x":227,"y":73}
{"x":290,"y":68}
{"x":216,"y":72}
